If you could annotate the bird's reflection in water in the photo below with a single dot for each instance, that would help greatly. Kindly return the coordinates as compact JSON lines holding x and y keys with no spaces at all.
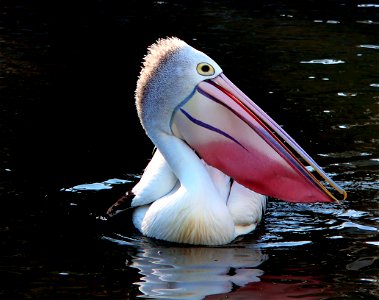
{"x":180,"y":272}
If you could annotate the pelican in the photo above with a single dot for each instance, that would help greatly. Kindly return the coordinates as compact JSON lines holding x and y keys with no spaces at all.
{"x":218,"y":155}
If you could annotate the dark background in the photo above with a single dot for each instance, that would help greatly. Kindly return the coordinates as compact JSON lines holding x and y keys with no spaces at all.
{"x":68,"y":71}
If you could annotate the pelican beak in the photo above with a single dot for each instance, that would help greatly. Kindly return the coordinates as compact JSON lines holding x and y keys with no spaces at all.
{"x":231,"y":133}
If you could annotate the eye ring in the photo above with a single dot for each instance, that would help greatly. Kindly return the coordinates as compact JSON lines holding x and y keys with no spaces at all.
{"x":205,"y":69}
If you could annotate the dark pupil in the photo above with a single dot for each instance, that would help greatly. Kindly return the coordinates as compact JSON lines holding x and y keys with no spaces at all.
{"x":205,"y":68}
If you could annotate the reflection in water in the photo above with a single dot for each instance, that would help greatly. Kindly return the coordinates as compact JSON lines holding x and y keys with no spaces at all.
{"x":282,"y":287}
{"x":189,"y":272}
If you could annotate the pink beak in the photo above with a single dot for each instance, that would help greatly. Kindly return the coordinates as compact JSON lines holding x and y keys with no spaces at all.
{"x":231,"y":133}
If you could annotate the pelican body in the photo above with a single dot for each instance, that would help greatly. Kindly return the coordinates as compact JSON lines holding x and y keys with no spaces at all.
{"x":218,"y":154}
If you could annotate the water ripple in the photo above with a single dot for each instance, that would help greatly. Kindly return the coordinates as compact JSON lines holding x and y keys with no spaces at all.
{"x":96,"y":186}
{"x":373,"y":243}
{"x":368,"y":5}
{"x":282,"y":244}
{"x":361,"y":262}
{"x":347,"y":94}
{"x":368,"y":46}
{"x":367,"y":22}
{"x":345,"y":154}
{"x":355,"y":226}
{"x":323,"y":61}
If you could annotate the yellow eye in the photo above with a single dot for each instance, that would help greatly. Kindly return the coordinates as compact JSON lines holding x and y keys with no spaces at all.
{"x":205,"y":69}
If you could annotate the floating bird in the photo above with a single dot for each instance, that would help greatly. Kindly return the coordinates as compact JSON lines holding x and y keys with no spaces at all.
{"x":218,"y":154}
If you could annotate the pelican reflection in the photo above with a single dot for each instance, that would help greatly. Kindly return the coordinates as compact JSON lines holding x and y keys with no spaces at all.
{"x":173,"y":272}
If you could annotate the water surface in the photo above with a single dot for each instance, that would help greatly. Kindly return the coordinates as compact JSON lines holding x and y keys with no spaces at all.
{"x":68,"y":75}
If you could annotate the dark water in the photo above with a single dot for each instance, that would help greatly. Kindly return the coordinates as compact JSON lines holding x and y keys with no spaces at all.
{"x":67,"y":122}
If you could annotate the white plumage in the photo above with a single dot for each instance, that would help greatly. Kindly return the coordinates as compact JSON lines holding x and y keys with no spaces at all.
{"x":217,"y":154}
{"x":179,"y":197}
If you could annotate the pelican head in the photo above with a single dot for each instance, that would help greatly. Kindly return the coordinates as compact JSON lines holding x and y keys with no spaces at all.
{"x":219,"y":155}
{"x":171,"y":71}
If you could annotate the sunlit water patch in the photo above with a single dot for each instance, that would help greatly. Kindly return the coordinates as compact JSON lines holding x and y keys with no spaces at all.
{"x":96,"y":186}
{"x":323,"y":61}
{"x":368,"y":5}
{"x":369,"y":46}
{"x":347,"y":94}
